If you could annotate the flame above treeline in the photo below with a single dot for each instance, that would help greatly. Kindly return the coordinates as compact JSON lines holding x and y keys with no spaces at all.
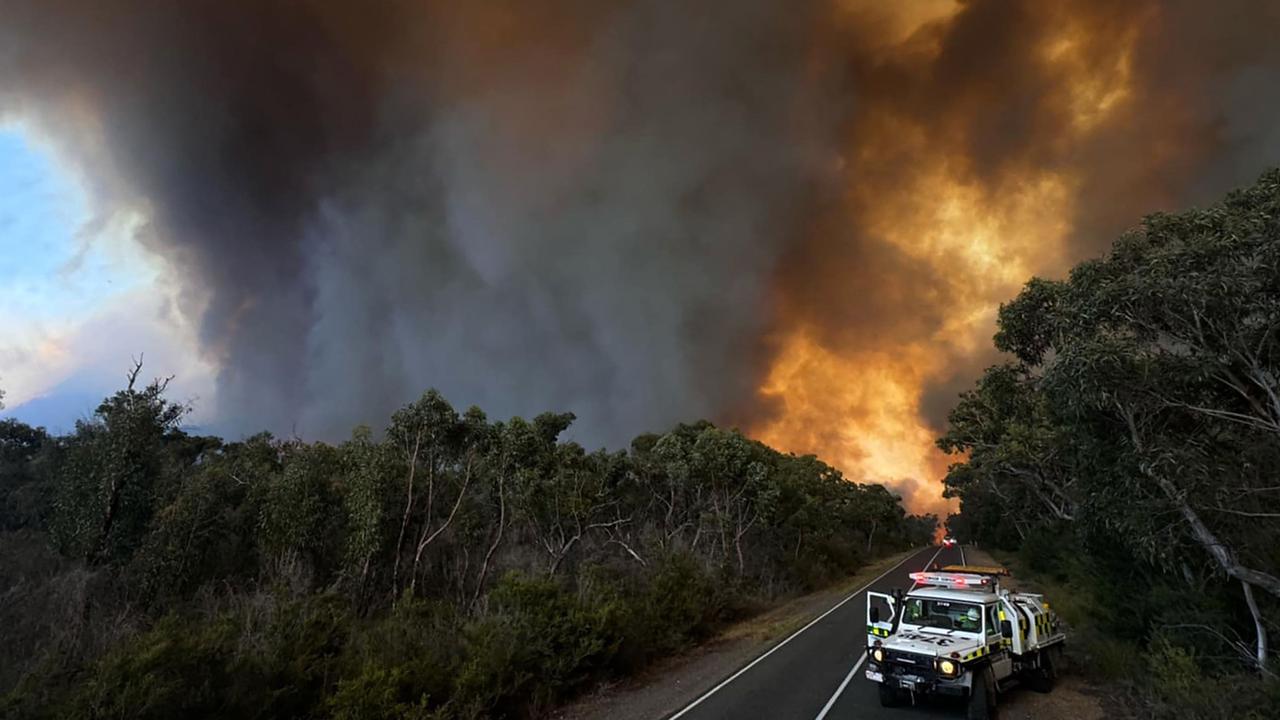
{"x":992,"y":141}
{"x":799,"y":217}
{"x":959,"y":182}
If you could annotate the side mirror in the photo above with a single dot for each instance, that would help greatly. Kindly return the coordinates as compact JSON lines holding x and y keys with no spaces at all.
{"x":1006,"y":628}
{"x":875,"y":614}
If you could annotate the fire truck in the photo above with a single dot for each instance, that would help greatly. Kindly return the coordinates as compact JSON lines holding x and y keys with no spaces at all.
{"x":957,"y":632}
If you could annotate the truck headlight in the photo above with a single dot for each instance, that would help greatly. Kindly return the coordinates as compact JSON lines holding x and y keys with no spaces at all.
{"x":948,"y":668}
{"x":877,"y":654}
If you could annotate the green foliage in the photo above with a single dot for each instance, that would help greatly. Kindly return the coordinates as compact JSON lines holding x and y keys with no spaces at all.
{"x":174,"y":670}
{"x":25,"y":455}
{"x":538,"y":642}
{"x":298,"y":513}
{"x":451,"y":567}
{"x":681,"y":602}
{"x":202,"y":533}
{"x":107,"y":485}
{"x":271,"y":660}
{"x":403,"y":664}
{"x":1129,"y":451}
{"x":367,"y":497}
{"x":1044,"y":552}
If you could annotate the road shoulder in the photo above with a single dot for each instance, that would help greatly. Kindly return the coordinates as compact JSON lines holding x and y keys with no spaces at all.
{"x":1073,"y":698}
{"x":675,"y":682}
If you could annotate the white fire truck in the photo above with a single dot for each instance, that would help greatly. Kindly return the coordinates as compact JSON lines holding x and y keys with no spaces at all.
{"x":957,"y":632}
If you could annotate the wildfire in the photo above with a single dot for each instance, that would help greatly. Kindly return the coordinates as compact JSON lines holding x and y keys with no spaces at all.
{"x":912,"y":192}
{"x":859,"y":413}
{"x":861,"y":410}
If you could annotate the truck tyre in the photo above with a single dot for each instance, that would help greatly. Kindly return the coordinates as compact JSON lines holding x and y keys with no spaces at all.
{"x":1045,"y":677}
{"x":889,"y":696}
{"x":982,"y":697}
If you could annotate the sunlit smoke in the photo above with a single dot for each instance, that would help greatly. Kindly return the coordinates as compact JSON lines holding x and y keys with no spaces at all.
{"x":964,"y":178}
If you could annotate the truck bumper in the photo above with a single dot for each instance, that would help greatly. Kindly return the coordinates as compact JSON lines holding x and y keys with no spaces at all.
{"x":918,"y":683}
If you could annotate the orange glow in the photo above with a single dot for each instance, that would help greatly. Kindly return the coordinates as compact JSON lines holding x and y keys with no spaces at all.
{"x":896,"y":22}
{"x":1096,"y":82}
{"x":859,"y":413}
{"x":860,"y":408}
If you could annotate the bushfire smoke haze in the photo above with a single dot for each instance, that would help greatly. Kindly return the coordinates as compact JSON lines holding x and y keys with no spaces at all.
{"x":796,"y":217}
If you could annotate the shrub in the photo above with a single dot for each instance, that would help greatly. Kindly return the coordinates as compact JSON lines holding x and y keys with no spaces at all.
{"x":265,"y":660}
{"x":1181,"y":688}
{"x":401,"y":665}
{"x":539,"y":644}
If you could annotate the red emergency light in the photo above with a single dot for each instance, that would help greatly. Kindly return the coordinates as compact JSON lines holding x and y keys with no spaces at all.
{"x":952,"y":580}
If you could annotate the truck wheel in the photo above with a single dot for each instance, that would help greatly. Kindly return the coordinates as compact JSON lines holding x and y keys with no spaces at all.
{"x":1045,"y":677}
{"x":982,"y":698}
{"x":889,"y":696}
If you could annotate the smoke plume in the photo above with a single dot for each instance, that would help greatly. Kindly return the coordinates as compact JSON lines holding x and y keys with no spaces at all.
{"x":795,"y":216}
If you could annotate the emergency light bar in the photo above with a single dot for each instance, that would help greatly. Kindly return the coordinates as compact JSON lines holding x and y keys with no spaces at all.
{"x":958,"y":581}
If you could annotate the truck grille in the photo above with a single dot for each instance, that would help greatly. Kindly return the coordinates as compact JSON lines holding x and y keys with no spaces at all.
{"x":911,"y":660}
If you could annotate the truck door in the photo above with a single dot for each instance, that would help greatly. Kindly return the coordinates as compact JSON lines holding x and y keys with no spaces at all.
{"x":881,"y":609}
{"x":1017,"y":622}
{"x":997,"y":646}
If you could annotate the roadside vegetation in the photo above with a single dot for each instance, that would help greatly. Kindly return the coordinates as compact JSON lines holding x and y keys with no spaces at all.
{"x":448,"y":566}
{"x":1128,"y":452}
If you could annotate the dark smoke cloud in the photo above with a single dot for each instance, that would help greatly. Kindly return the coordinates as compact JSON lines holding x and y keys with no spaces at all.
{"x":611,"y":208}
{"x":529,"y":205}
{"x":1205,"y":117}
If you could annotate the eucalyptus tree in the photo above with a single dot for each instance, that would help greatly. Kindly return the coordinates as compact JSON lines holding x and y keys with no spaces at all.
{"x":106,"y":485}
{"x":1145,"y":397}
{"x":24,"y":491}
{"x":735,"y":473}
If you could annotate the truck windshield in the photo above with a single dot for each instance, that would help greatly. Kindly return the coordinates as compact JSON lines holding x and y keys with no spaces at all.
{"x":943,"y":614}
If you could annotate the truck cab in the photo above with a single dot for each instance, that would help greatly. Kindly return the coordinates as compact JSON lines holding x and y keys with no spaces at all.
{"x":958,"y":633}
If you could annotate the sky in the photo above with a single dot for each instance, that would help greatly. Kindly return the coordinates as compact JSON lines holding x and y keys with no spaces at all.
{"x":80,"y":298}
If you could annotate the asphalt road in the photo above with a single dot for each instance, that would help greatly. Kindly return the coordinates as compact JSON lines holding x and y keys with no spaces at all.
{"x":817,"y":673}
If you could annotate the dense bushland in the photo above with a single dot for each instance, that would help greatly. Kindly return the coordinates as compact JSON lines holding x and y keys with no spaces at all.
{"x":1129,"y":451}
{"x":448,"y":567}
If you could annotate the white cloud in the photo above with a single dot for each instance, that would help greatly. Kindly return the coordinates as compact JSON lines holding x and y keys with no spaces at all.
{"x":91,"y":357}
{"x":80,"y":296}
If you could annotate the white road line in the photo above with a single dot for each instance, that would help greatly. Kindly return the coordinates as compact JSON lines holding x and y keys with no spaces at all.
{"x":962,"y":562}
{"x":914,"y":583}
{"x":861,"y":659}
{"x":831,"y":703}
{"x":790,"y":637}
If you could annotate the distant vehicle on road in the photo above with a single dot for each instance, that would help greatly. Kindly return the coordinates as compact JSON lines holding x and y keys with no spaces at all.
{"x":957,"y":632}
{"x":948,"y":542}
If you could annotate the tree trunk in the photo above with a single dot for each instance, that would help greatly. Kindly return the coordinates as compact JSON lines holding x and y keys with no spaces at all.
{"x":426,"y":539}
{"x":1259,"y":628}
{"x":1224,"y":555}
{"x":108,"y":520}
{"x":408,"y":508}
{"x":497,"y":539}
{"x":564,"y":552}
